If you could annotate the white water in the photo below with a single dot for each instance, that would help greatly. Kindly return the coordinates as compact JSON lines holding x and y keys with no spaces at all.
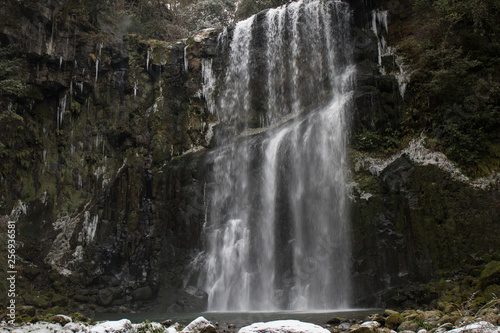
{"x":277,"y":236}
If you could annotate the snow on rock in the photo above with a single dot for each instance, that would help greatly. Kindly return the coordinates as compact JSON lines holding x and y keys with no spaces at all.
{"x":40,"y":327}
{"x":200,"y":324}
{"x":371,"y":324}
{"x":76,"y":327}
{"x":119,"y":326}
{"x":283,"y":326}
{"x":482,"y":326}
{"x":419,"y":154}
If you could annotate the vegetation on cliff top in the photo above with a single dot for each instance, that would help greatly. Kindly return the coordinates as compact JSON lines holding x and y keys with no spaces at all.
{"x":167,"y":20}
{"x":454,"y":93}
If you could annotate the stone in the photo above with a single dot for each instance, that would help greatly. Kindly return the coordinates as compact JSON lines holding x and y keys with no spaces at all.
{"x":389,"y":312}
{"x":289,"y":326}
{"x":372,"y":324}
{"x":61,"y":319}
{"x":492,"y":292}
{"x":334,"y":321}
{"x":490,"y":275}
{"x":118,"y":326}
{"x":444,"y":328}
{"x":449,"y":318}
{"x":482,"y":326}
{"x":191,"y":299}
{"x":75,"y":327}
{"x":143,"y":294}
{"x":167,"y":323}
{"x":462,"y":321}
{"x":363,"y":330}
{"x":408,"y":326}
{"x":200,"y":325}
{"x":394,"y":320}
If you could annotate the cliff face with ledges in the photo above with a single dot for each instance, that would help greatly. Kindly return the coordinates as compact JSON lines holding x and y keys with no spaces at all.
{"x":102,"y":166}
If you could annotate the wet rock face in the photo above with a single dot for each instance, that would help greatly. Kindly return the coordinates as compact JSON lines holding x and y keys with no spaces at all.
{"x":106,"y":211}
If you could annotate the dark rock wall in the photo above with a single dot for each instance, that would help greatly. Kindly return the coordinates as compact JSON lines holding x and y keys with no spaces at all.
{"x":106,"y":209}
{"x":115,"y":206}
{"x":411,"y":223}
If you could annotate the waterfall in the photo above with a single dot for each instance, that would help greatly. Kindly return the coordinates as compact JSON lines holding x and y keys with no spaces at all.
{"x":277,"y":233}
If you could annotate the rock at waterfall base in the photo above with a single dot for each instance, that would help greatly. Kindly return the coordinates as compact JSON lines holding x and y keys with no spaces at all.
{"x":283,"y":326}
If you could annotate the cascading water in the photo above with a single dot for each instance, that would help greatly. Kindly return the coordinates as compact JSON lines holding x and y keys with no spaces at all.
{"x":277,"y":236}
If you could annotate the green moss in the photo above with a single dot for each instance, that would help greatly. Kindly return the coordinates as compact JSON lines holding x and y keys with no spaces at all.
{"x":491,"y":274}
{"x":394,"y":320}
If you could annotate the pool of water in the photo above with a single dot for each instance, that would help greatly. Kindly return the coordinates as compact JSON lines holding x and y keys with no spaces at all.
{"x":240,"y":319}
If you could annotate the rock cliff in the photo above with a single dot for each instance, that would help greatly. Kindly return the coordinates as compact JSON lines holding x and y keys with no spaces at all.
{"x":102,"y":167}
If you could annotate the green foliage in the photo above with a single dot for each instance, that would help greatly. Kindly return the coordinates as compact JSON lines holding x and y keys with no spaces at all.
{"x":454,"y":53}
{"x":371,"y":141}
{"x":247,"y":8}
{"x":11,"y":83}
{"x":211,"y":14}
{"x":422,"y":323}
{"x":149,"y":327}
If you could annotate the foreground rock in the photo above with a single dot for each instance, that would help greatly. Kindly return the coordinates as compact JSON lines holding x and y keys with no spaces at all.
{"x":283,"y":326}
{"x":200,"y":325}
{"x":417,"y":321}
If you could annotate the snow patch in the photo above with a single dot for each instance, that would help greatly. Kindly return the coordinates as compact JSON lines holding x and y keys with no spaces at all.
{"x":283,"y":326}
{"x":197,"y":325}
{"x":420,"y":155}
{"x":119,"y":326}
{"x":482,"y":326}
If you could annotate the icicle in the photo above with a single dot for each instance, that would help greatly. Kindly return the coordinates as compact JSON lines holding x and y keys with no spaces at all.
{"x":135,"y":89}
{"x":186,"y":62}
{"x":44,"y":155}
{"x":147,"y":61}
{"x":60,"y":111}
{"x":80,"y":182}
{"x":80,"y":86}
{"x":209,"y":82}
{"x":60,"y":62}
{"x":96,"y":69}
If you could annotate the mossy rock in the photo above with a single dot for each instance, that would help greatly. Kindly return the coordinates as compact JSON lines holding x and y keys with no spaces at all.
{"x":78,"y":317}
{"x":492,"y":292}
{"x":363,"y":330}
{"x":394,"y":320}
{"x":478,"y":302}
{"x":61,"y":319}
{"x":490,"y":275}
{"x":449,"y":318}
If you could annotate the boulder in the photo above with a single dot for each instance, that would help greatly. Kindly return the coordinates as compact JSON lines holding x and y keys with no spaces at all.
{"x":394,"y":320}
{"x":200,"y":325}
{"x":482,"y":326}
{"x":191,"y":299}
{"x":492,"y":292}
{"x":490,"y":275}
{"x":284,"y":326}
{"x":61,"y":319}
{"x":372,"y":324}
{"x":408,"y":326}
{"x":143,"y":294}
{"x":118,"y":326}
